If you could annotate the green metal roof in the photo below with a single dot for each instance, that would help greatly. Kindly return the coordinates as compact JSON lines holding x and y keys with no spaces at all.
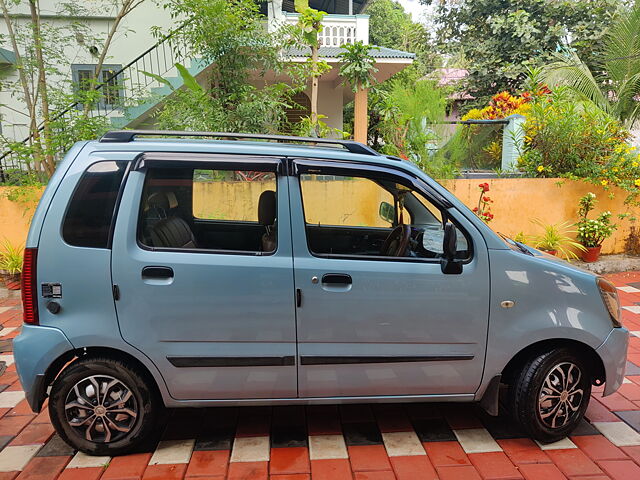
{"x":334,"y":52}
{"x":7,"y":57}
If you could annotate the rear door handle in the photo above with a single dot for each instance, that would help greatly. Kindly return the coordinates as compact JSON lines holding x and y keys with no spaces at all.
{"x":157,"y":273}
{"x":331,"y":279}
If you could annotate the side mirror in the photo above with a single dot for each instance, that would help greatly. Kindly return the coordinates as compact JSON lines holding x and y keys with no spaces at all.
{"x":387,"y":212}
{"x":448,"y":263}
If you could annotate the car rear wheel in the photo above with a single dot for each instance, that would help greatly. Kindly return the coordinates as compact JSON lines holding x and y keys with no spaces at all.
{"x":102,"y":406}
{"x":550,"y":394}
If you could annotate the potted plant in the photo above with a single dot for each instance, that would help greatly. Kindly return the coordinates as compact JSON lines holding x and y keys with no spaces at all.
{"x":557,"y":239}
{"x":11,"y":264}
{"x":593,"y":231}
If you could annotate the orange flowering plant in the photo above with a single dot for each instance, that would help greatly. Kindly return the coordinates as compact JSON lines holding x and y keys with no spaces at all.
{"x":483,"y":210}
{"x":566,"y":138}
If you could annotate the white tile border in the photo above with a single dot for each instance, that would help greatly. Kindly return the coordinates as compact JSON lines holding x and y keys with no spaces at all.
{"x":327,"y":447}
{"x":401,"y":444}
{"x":11,"y":399}
{"x":8,"y":359}
{"x":82,"y":460}
{"x":15,"y":457}
{"x":632,"y":308}
{"x":250,"y":449}
{"x":7,"y":330}
{"x":629,"y":289}
{"x":559,"y":445}
{"x":476,"y":440}
{"x":172,"y":451}
{"x":619,"y":433}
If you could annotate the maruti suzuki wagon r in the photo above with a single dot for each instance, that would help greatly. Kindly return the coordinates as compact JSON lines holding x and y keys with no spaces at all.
{"x":204,"y":269}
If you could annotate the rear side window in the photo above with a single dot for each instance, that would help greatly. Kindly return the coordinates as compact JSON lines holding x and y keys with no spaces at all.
{"x":215,"y":210}
{"x":230,"y":195}
{"x":90,"y":211}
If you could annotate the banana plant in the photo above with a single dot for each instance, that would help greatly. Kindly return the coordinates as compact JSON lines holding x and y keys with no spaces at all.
{"x":188,"y":80}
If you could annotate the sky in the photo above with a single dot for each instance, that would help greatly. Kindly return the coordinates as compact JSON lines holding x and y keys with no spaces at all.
{"x":414,"y":8}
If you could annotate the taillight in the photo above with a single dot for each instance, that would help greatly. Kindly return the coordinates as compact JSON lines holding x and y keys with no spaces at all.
{"x":30,"y":287}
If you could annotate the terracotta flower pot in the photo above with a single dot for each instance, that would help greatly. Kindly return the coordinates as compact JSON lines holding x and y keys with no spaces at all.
{"x":13,"y":281}
{"x":551,"y":252}
{"x":591,"y":254}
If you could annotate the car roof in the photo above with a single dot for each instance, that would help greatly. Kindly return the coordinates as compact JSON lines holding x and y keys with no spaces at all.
{"x":242,"y":144}
{"x":262,"y":148}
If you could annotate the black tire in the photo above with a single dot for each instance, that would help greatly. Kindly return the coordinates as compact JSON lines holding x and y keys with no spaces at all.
{"x":553,"y":418}
{"x":140,"y":428}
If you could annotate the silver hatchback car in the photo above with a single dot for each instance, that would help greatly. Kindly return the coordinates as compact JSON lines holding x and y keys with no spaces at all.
{"x":249,"y":270}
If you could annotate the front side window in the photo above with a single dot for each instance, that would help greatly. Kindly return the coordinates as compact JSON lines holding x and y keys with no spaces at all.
{"x":371,"y":217}
{"x":209,"y":209}
{"x":89,"y":215}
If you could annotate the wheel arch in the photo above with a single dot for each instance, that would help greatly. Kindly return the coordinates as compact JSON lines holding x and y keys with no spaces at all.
{"x":72,"y":356}
{"x":585,"y":351}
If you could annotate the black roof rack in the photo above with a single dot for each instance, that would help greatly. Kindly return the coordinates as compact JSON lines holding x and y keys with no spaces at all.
{"x":125,"y":136}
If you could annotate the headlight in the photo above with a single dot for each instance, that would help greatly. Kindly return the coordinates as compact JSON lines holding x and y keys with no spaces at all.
{"x":609,"y":295}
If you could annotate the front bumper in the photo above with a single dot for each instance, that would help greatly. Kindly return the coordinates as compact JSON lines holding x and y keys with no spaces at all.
{"x":613,"y":353}
{"x":35,"y":349}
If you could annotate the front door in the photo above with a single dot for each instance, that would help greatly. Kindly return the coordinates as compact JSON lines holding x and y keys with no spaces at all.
{"x":376,"y":314}
{"x":203,"y":266}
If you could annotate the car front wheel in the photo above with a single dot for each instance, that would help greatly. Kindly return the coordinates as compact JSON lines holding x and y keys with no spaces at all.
{"x":550,"y":394}
{"x":102,"y":406}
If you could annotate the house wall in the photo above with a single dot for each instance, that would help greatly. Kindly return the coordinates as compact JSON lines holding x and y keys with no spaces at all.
{"x":330,"y":103}
{"x":133,"y":38}
{"x":516,"y":203}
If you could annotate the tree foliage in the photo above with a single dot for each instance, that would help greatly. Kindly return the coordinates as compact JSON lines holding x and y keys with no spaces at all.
{"x":310,"y":25}
{"x":613,"y":82}
{"x":501,"y":39}
{"x":42,"y":65}
{"x":357,"y":65}
{"x":231,"y":38}
{"x":392,"y":27}
{"x":410,"y":127}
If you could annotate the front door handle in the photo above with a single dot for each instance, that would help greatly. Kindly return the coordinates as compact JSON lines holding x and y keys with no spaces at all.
{"x":157,"y":273}
{"x":336,"y":279}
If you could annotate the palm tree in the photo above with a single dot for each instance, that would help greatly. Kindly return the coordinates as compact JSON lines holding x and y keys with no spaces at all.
{"x":614,"y":82}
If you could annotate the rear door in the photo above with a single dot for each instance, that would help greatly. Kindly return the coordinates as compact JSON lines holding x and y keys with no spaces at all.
{"x":199,"y":295}
{"x":374,"y":324}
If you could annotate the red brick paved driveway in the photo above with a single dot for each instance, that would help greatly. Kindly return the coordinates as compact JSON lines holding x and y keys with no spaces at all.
{"x":358,"y":442}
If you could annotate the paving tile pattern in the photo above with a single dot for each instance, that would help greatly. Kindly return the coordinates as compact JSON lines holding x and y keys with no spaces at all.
{"x":348,"y":442}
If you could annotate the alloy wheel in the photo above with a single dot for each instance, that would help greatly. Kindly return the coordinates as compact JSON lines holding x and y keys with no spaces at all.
{"x":101,"y":408}
{"x":560,"y":395}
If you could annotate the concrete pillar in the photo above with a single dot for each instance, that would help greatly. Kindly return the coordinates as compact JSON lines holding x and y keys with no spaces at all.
{"x":275,"y":16}
{"x":360,"y":116}
{"x":512,"y":141}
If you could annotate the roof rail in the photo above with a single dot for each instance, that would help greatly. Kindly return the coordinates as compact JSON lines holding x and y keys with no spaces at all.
{"x":125,"y":136}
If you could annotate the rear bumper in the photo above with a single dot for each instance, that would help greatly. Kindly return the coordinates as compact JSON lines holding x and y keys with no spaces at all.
{"x":35,"y":350}
{"x":613,"y":353}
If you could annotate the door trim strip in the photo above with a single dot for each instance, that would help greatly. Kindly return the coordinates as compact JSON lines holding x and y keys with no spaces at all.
{"x":336,"y":360}
{"x":183,"y":362}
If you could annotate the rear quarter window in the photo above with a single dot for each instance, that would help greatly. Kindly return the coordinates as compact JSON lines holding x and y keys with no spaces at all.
{"x":87,"y":221}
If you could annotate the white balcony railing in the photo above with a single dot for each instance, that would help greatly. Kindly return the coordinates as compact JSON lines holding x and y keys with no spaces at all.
{"x":337,"y":30}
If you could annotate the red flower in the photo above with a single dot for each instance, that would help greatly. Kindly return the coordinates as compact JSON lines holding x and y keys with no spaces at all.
{"x":486,"y":199}
{"x":475,"y":209}
{"x":484,"y":187}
